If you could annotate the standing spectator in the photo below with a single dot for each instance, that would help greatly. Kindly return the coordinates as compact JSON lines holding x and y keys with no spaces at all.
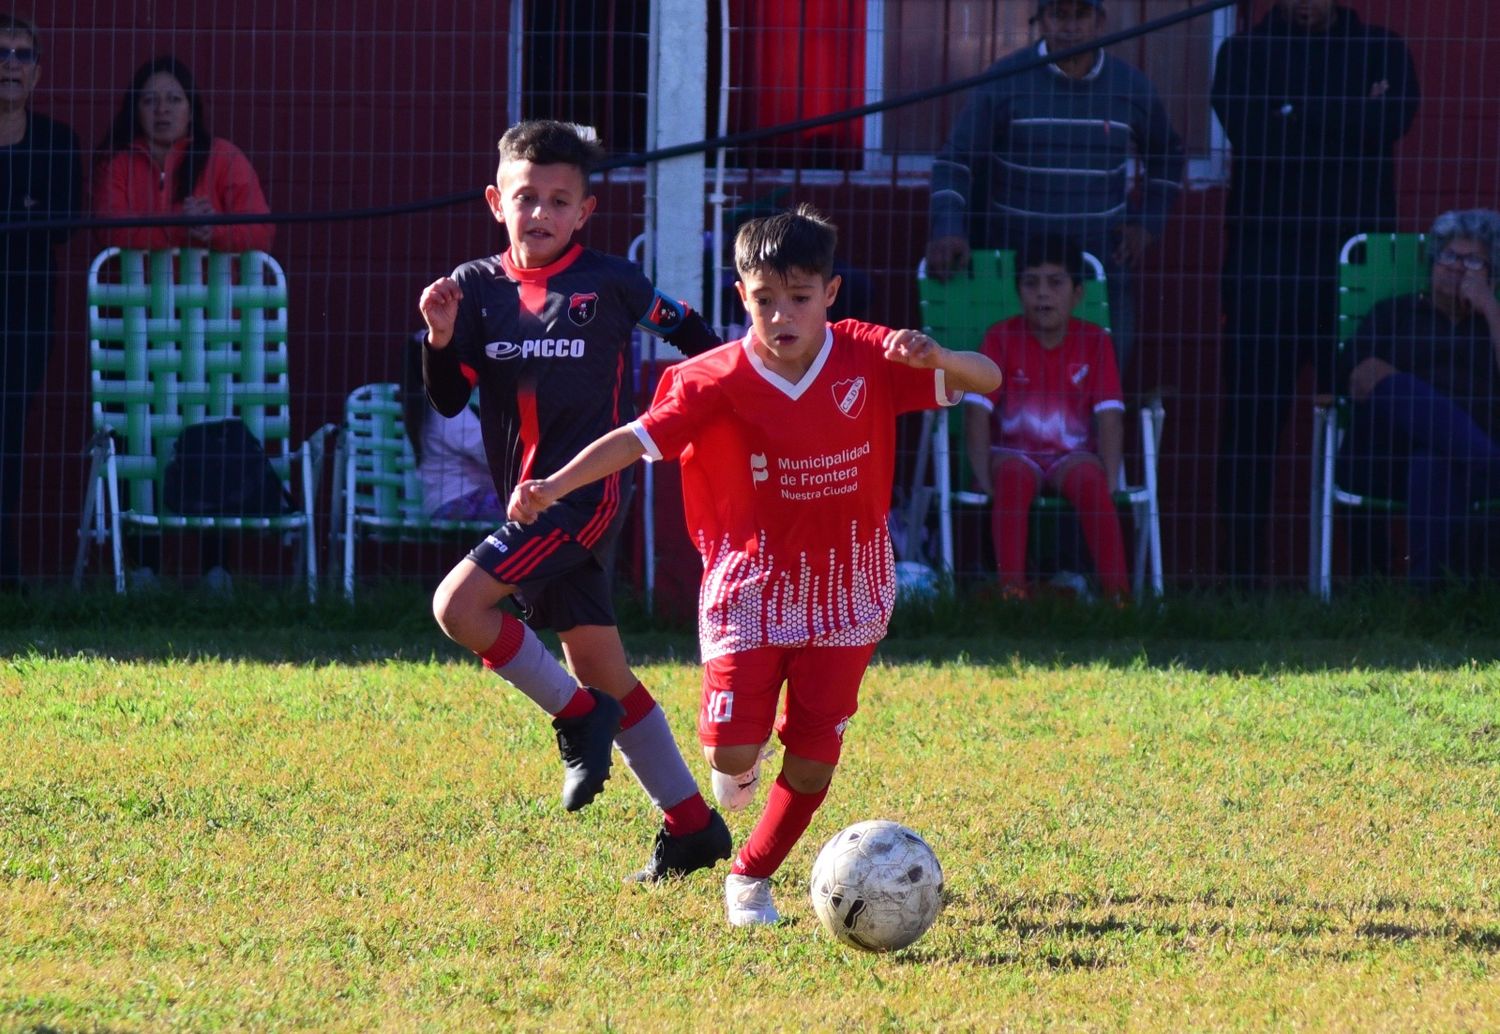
{"x":1313,"y":101}
{"x":1048,"y":150}
{"x":160,"y":159}
{"x":40,"y":179}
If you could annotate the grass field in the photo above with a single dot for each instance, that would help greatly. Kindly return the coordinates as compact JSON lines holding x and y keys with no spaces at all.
{"x":224,"y":817}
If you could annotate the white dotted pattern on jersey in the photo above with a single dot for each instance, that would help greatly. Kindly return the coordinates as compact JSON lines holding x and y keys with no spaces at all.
{"x":747,"y":600}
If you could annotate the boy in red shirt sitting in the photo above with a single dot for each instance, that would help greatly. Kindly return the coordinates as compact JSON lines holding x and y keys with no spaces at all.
{"x":787,"y":444}
{"x":1056,"y":421}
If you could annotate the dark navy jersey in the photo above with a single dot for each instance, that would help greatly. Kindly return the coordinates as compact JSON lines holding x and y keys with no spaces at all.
{"x":549,"y":350}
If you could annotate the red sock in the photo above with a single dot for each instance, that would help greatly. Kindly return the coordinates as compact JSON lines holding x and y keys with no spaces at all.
{"x":658,"y":770}
{"x":1015,"y":488}
{"x":638,"y":704}
{"x":1084,"y":486}
{"x":506,"y":645}
{"x":686,"y":816}
{"x":581,"y":704}
{"x":781,"y":825}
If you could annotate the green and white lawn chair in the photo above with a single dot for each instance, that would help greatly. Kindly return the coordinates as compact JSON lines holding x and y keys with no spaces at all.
{"x":178,"y":337}
{"x":377,"y":490}
{"x":957,"y":312}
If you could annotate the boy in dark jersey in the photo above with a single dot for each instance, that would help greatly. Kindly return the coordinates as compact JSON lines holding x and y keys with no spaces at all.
{"x":787,"y":444}
{"x":543,"y":330}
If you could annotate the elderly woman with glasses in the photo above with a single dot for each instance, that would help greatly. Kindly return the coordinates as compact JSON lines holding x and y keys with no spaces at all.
{"x":160,"y":159}
{"x":1424,"y":382}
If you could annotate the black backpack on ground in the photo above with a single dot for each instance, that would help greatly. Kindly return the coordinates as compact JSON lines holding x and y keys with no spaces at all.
{"x":218,"y":468}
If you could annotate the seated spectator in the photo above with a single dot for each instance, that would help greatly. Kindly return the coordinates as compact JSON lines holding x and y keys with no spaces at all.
{"x":160,"y":159}
{"x":1056,"y":421}
{"x":1424,"y":383}
{"x":456,"y":480}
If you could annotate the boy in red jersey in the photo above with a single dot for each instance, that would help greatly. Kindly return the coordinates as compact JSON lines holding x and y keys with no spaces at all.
{"x":543,"y":330}
{"x":787,"y":444}
{"x":1038,"y":429}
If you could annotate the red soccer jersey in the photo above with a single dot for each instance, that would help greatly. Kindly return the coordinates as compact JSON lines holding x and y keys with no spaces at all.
{"x":1047,"y":398}
{"x":786,"y":487}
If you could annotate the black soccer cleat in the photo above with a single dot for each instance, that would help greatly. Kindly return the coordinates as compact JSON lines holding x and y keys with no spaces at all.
{"x":586,"y":745}
{"x":678,"y":856}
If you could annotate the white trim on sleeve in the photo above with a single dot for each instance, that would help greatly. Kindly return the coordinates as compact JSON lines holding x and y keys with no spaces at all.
{"x":973,"y":398}
{"x":1109,"y":404}
{"x":639,"y":430}
{"x":944,"y":397}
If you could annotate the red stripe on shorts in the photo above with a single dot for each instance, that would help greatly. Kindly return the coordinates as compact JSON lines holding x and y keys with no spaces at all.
{"x":526,"y":559}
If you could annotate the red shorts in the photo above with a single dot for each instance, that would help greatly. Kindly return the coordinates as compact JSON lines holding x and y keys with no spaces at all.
{"x":740,"y":691}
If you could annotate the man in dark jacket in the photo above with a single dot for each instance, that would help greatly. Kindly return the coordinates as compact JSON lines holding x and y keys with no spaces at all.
{"x":41,"y":178}
{"x":1313,"y":101}
{"x":1047,"y":150}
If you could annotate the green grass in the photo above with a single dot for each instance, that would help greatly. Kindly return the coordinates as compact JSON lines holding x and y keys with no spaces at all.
{"x":1220,"y":815}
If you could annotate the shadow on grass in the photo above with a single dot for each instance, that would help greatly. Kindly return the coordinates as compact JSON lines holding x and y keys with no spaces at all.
{"x":1379,"y":627}
{"x":1065,"y":942}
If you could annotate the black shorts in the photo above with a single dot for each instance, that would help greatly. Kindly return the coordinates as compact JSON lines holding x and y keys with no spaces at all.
{"x":560,"y":584}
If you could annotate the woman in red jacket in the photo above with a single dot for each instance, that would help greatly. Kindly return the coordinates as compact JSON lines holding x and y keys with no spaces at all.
{"x":160,"y":159}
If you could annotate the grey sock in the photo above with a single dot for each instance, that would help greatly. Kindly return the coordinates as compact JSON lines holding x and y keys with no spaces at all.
{"x":654,"y":760}
{"x":538,"y":674}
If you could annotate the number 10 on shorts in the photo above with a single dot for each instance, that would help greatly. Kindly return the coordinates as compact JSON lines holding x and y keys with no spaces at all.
{"x":720,"y":705}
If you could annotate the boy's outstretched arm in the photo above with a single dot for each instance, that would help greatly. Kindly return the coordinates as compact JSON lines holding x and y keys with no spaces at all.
{"x":601,"y":458}
{"x":447,"y":388}
{"x":963,"y":371}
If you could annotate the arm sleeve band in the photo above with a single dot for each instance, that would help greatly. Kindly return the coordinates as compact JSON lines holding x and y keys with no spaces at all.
{"x":676,"y":323}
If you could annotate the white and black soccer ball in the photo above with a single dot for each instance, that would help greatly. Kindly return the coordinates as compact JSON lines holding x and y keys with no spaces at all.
{"x":877,"y":886}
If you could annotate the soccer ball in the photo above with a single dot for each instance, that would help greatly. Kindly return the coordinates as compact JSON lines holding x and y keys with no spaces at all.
{"x":877,"y":886}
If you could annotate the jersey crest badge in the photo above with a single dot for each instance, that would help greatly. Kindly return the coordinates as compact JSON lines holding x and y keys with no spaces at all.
{"x":1077,"y":372}
{"x":849,"y":396}
{"x":581,"y":307}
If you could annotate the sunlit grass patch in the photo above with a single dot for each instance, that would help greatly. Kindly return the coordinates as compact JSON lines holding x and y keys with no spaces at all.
{"x":208,"y":840}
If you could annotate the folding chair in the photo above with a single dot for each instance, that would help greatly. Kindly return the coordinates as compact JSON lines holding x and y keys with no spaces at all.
{"x":957,"y":312}
{"x":1372,"y":268}
{"x":177,"y":337}
{"x":376,"y":488}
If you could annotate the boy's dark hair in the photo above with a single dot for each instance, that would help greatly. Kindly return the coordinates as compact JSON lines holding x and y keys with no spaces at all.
{"x":801,"y":238}
{"x":548,"y":142}
{"x":1051,"y":249}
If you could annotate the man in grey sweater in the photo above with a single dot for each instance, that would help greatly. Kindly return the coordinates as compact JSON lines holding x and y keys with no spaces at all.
{"x":1048,"y":150}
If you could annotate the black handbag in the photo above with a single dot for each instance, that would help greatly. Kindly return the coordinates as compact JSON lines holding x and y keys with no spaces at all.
{"x":218,"y":468}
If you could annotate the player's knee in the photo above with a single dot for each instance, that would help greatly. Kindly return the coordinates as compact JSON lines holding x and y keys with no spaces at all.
{"x":806,"y":775}
{"x":449,"y":610}
{"x":733,"y":760}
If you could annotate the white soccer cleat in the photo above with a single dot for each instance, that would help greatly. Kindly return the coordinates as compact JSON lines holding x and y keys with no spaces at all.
{"x":747,"y":901}
{"x":734,"y":793}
